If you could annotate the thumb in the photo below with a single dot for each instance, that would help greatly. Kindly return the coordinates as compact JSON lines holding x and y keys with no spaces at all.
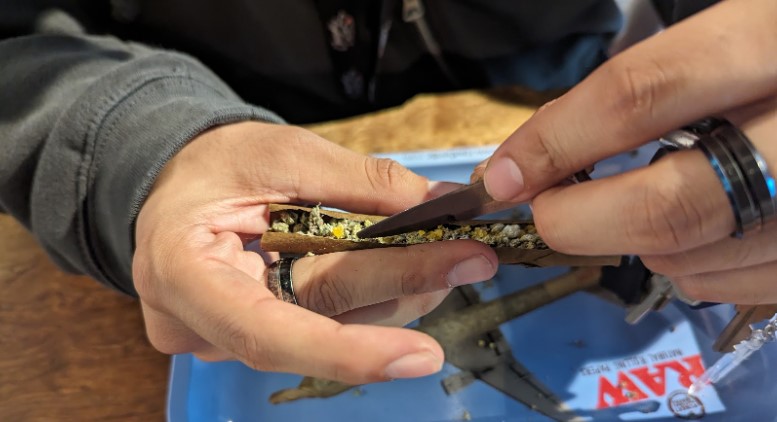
{"x":336,"y":176}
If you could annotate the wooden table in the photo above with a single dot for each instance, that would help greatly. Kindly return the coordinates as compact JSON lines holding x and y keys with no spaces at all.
{"x":71,"y":349}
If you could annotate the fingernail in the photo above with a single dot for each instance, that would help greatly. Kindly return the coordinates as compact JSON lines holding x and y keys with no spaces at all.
{"x":504,"y":180}
{"x":471,"y":270}
{"x":414,"y":365}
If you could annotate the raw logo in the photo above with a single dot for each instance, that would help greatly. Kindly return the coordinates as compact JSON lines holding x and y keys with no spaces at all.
{"x":651,"y":376}
{"x":685,"y":406}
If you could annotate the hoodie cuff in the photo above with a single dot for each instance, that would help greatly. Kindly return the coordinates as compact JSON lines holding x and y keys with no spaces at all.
{"x":157,"y":117}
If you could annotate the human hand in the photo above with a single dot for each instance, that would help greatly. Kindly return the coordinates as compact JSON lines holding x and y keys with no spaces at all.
{"x":201,"y":292}
{"x":674,"y":213}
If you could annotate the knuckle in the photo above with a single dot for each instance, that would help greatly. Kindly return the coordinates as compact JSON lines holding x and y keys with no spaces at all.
{"x":244,"y":344}
{"x":249,"y":349}
{"x":670,"y":220}
{"x":327,"y":295}
{"x":553,"y":159}
{"x":657,"y":230}
{"x":385,"y":173}
{"x":411,"y":282}
{"x":637,"y":88}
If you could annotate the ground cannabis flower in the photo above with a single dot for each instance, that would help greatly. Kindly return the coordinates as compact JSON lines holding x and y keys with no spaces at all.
{"x":314,"y":223}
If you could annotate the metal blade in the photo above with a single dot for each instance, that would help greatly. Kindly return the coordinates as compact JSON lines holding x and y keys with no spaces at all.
{"x":464,"y":203}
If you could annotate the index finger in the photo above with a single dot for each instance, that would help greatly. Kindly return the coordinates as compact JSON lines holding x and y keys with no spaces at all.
{"x":712,"y":62}
{"x":673,"y":205}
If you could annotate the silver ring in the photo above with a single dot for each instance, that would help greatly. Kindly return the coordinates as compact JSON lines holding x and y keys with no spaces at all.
{"x":279,"y":280}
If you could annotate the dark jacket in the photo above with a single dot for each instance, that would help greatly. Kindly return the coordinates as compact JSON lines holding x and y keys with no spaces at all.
{"x":96,"y":95}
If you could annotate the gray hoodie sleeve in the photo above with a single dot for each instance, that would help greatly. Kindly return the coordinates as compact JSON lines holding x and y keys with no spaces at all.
{"x":86,"y":124}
